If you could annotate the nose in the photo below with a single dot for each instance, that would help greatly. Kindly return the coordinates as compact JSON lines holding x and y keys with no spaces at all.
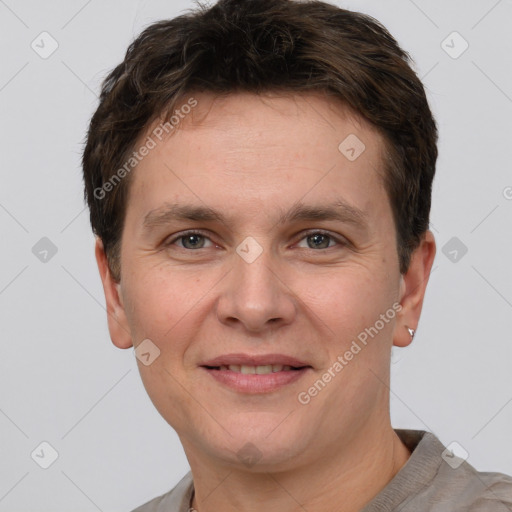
{"x":256,"y":296}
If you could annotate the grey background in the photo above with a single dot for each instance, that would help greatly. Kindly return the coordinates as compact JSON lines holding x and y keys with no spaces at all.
{"x":63,"y":382}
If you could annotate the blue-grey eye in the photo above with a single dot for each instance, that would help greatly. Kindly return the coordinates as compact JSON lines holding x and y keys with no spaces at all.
{"x":318,"y":241}
{"x":193,"y":241}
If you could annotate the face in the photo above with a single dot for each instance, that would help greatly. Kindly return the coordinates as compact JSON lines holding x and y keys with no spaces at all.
{"x":256,"y":254}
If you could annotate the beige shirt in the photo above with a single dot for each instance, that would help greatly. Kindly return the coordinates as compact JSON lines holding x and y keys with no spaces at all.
{"x":426,"y":483}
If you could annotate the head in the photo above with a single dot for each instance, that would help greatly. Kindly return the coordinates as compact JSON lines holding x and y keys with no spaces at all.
{"x":259,"y":179}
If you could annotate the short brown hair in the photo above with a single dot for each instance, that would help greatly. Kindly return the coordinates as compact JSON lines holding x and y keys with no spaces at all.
{"x":263,"y":46}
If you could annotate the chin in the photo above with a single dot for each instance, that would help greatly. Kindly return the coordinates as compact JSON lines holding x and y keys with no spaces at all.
{"x":259,"y":442}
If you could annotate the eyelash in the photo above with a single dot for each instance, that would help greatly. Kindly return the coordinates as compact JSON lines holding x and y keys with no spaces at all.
{"x":339,"y":241}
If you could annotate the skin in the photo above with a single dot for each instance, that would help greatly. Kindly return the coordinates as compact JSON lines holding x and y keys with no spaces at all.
{"x":251,"y":158}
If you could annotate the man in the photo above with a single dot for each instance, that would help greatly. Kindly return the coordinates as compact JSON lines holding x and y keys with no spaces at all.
{"x":259,"y":179}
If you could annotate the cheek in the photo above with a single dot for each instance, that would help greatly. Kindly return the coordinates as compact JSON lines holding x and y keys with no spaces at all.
{"x":151,"y":306}
{"x":347,"y":313}
{"x":163,"y":307}
{"x":163,"y":304}
{"x":348,"y":300}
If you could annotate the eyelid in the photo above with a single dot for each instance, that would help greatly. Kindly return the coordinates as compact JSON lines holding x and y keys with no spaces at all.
{"x":340,"y":240}
{"x":177,"y":236}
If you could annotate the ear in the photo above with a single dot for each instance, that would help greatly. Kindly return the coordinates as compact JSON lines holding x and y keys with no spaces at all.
{"x":116,"y":316}
{"x":412,"y":289}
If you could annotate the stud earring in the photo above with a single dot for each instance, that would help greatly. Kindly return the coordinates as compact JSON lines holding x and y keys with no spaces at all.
{"x":412,"y":332}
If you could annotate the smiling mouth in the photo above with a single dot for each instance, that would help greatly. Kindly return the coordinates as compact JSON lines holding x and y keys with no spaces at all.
{"x":256,"y":378}
{"x":256,"y":370}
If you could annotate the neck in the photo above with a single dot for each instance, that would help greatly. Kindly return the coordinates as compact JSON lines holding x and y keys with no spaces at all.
{"x":344,"y":481}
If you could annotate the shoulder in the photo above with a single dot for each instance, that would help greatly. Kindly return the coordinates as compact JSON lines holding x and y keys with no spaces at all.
{"x":485,"y":491}
{"x":434,"y":478}
{"x":176,"y":500}
{"x":463,"y":488}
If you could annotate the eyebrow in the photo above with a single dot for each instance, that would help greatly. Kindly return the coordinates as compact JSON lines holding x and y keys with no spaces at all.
{"x":338,"y":210}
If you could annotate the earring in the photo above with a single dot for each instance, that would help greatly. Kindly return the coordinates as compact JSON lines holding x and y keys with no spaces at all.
{"x":412,"y":332}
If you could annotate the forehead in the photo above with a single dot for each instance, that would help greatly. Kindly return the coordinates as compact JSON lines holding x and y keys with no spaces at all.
{"x":257,"y":146}
{"x":267,"y":119}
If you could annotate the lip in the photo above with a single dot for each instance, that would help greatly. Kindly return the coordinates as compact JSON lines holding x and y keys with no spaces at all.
{"x":255,"y":360}
{"x":255,"y":383}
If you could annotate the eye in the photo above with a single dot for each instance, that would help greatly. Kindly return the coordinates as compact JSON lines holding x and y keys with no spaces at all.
{"x":319,"y":240}
{"x":191,"y":240}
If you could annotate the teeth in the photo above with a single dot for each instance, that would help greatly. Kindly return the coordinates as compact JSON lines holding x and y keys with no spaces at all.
{"x":261,"y":370}
{"x":256,"y":370}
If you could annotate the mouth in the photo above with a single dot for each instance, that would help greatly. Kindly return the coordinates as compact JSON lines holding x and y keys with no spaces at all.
{"x":263,"y":369}
{"x":256,"y":374}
